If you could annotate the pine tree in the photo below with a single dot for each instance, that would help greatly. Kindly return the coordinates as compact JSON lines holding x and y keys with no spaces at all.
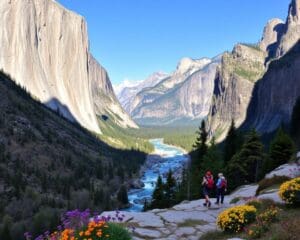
{"x":122,"y":195}
{"x":252,"y":154}
{"x":182,"y":187}
{"x":98,"y":196}
{"x":120,"y":173}
{"x":212,"y":161}
{"x":170,"y":189}
{"x":110,"y":171}
{"x":145,"y":206}
{"x":246,"y":165}
{"x":158,"y":200}
{"x":236,"y":172}
{"x":281,"y":150}
{"x":99,"y":170}
{"x":200,"y":145}
{"x":231,"y":143}
{"x":294,"y":125}
{"x":5,"y":233}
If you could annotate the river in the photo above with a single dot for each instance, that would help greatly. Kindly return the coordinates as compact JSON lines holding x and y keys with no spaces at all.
{"x":164,"y":158}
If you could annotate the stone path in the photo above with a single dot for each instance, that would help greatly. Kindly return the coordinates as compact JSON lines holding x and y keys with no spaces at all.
{"x":185,"y":221}
{"x":190,"y":220}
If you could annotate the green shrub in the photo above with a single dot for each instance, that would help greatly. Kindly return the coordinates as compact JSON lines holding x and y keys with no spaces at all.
{"x":255,"y":203}
{"x":256,"y":230}
{"x":270,"y":215}
{"x":116,"y":232}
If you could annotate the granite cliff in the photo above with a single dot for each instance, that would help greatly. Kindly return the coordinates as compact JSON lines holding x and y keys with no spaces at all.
{"x":234,"y":81}
{"x":44,"y":48}
{"x":263,"y":95}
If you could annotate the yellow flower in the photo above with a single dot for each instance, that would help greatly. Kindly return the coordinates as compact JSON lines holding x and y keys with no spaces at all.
{"x":289,"y":190}
{"x":234,"y":219}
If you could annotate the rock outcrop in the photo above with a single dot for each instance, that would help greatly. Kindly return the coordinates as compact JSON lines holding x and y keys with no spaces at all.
{"x":292,"y":30}
{"x":271,"y":36}
{"x":185,"y":94}
{"x":275,"y":94}
{"x":272,"y":100}
{"x":45,"y":48}
{"x":233,"y":86}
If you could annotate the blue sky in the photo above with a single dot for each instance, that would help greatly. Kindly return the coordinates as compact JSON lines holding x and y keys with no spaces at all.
{"x":133,"y":38}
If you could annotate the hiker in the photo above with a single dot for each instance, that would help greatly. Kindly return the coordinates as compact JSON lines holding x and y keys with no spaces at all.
{"x":221,"y":188}
{"x":208,"y":185}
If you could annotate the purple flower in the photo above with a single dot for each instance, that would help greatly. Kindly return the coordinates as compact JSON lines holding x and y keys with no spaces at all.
{"x":27,"y":236}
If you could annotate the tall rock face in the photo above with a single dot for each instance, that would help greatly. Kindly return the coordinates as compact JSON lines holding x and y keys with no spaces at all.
{"x":126,"y":92}
{"x":104,"y":98}
{"x":185,"y":94}
{"x":292,"y":30}
{"x":271,"y":37}
{"x":45,"y":49}
{"x":276,"y":89}
{"x":275,"y":94}
{"x":233,"y":86}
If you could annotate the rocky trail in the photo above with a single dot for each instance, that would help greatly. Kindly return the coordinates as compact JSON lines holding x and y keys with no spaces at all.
{"x":189,"y":220}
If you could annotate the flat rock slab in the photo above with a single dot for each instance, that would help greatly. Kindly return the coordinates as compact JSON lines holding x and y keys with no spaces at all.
{"x":147,"y":233}
{"x":177,"y":217}
{"x":143,"y":219}
{"x":288,"y":170}
{"x":189,"y":205}
{"x":184,"y":231}
{"x":244,"y":191}
{"x":147,"y":219}
{"x":274,"y":196}
{"x":207,"y":228}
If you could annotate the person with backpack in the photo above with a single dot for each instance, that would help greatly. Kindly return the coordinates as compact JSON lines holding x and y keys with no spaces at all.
{"x":208,"y":185}
{"x":221,"y":188}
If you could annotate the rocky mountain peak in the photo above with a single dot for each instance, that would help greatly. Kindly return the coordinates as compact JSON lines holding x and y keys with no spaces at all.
{"x":294,"y":13}
{"x":291,"y":34}
{"x":248,"y":52}
{"x":272,"y":33}
{"x":187,"y":64}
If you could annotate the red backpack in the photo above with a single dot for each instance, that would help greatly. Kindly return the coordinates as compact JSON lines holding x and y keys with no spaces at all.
{"x":223,"y":183}
{"x":210,"y":182}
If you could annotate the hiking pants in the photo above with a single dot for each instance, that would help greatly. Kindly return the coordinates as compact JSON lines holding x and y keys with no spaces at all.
{"x":220,"y":194}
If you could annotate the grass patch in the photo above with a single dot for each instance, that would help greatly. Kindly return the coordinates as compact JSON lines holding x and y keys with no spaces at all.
{"x":287,"y":228}
{"x":235,"y":200}
{"x":192,"y":223}
{"x":269,"y":183}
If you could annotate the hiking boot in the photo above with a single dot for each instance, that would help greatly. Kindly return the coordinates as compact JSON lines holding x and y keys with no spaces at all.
{"x":204,"y":204}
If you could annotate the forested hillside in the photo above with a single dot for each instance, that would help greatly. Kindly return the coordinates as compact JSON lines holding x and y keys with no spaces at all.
{"x":49,"y":165}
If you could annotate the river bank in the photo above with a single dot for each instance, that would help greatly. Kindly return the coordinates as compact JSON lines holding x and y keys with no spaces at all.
{"x":164,"y":158}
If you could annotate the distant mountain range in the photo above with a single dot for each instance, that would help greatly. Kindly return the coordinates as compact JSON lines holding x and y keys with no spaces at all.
{"x":256,"y":85}
{"x":165,"y":99}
